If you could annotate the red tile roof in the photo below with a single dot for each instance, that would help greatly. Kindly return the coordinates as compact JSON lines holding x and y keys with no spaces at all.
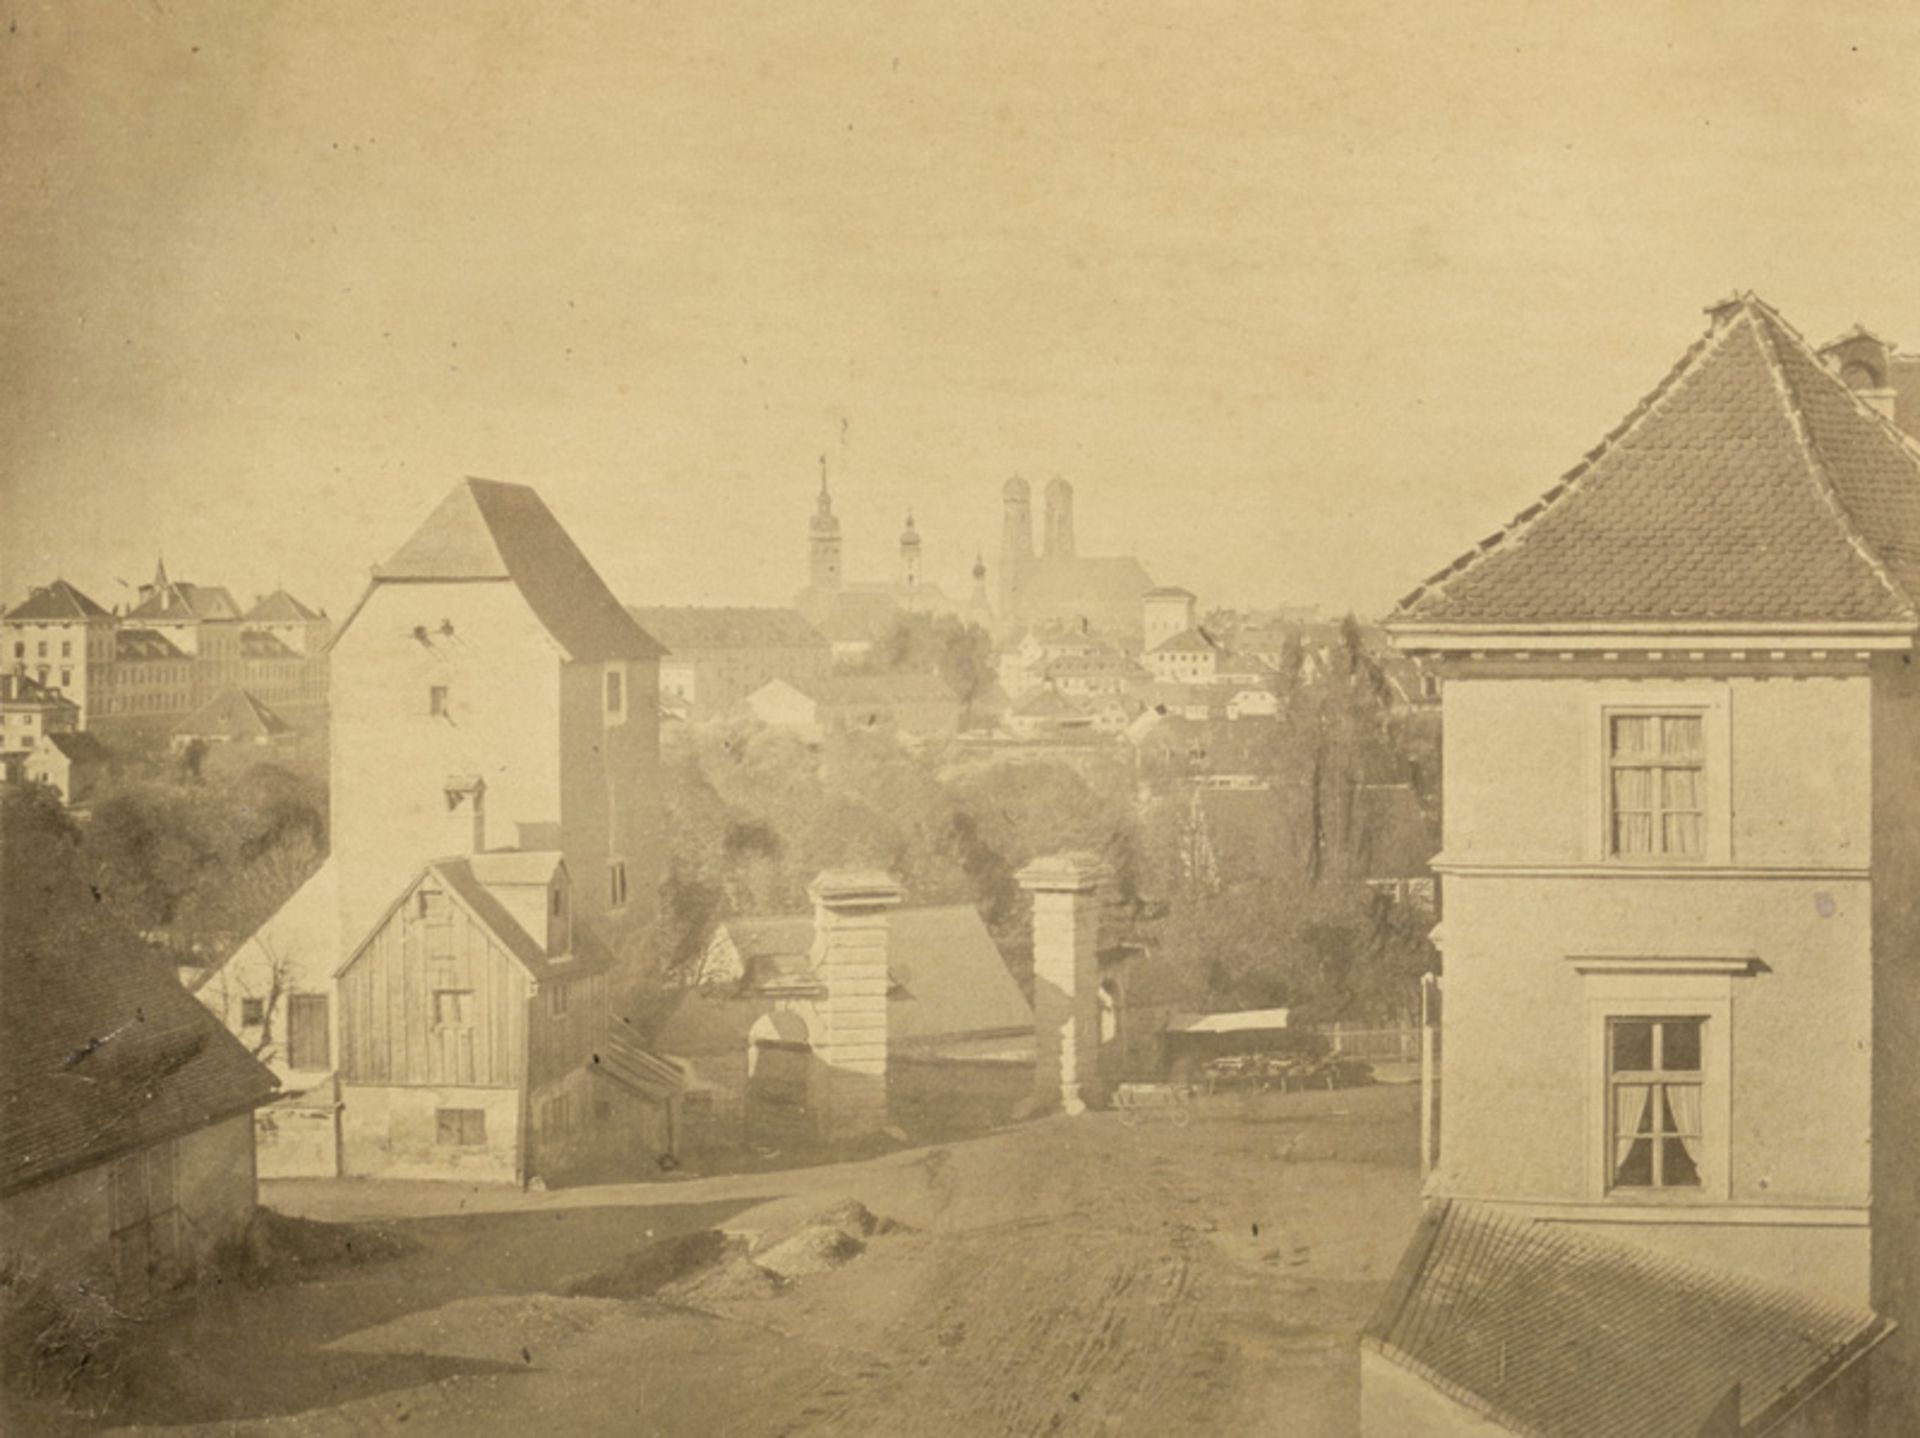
{"x":58,"y":600}
{"x":101,"y":1051}
{"x":1547,"y":1330}
{"x":1752,"y":486}
{"x":485,"y":529}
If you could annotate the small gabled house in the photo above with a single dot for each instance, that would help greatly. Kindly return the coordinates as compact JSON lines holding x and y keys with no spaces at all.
{"x":471,"y":1018}
{"x":126,"y":1113}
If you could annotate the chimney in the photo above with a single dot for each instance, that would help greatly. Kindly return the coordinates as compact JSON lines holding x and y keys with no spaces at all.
{"x":466,"y":814}
{"x":850,"y":957}
{"x":1066,"y":977}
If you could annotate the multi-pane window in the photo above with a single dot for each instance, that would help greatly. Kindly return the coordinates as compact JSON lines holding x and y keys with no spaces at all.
{"x":1656,"y":785}
{"x":1654,"y":1086}
{"x":460,"y":1127}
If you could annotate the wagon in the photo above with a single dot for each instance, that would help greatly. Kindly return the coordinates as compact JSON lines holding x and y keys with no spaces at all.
{"x":1134,"y":1100}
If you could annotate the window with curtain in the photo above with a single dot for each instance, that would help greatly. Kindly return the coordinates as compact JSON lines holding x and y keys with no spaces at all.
{"x":1656,"y":784}
{"x":1654,"y":1083}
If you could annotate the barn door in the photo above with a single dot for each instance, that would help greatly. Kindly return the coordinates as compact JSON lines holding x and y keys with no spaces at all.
{"x":145,"y":1225}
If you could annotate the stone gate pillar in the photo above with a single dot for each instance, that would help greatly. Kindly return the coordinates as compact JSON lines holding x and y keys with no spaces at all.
{"x":1066,"y":977}
{"x":850,"y":956}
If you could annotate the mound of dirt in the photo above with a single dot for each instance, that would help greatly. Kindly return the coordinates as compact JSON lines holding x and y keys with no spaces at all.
{"x":280,"y":1249}
{"x":812,"y":1248}
{"x":646,"y":1271}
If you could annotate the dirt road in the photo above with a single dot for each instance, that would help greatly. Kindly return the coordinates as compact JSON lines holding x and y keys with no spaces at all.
{"x":1065,"y":1277}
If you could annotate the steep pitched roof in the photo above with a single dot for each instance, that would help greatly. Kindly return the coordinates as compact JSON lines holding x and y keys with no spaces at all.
{"x":727,"y":628}
{"x":1751,"y":487}
{"x":487,"y":530}
{"x":472,"y":880}
{"x":101,"y":1051}
{"x":58,"y":600}
{"x":280,"y":607}
{"x":19,"y":687}
{"x":1550,"y":1331}
{"x":179,"y":601}
{"x":233,"y":714}
{"x":81,"y":746}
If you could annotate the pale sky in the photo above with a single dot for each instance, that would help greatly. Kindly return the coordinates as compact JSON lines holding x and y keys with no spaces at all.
{"x":1303,"y":297}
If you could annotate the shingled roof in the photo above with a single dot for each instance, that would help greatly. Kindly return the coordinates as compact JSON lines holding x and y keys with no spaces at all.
{"x":1751,"y":487}
{"x":55,"y":601}
{"x":681,"y":629}
{"x":1547,"y":1330}
{"x":233,"y":714}
{"x":487,"y":530}
{"x":280,"y":607}
{"x":101,"y":1051}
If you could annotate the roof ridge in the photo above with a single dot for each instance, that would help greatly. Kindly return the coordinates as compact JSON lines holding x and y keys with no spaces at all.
{"x":1516,"y":528}
{"x":1763,"y":318}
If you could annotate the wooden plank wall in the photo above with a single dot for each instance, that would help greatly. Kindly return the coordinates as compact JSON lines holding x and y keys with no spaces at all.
{"x":387,"y":1028}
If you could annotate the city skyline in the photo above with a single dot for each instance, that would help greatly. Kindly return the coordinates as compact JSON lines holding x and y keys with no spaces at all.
{"x":1281,"y":333}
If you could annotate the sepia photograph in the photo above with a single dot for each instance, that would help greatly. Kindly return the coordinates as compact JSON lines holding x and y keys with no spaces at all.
{"x":959,"y":719}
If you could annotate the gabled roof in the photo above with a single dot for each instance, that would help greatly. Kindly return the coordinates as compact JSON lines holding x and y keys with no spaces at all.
{"x":58,"y":600}
{"x":1547,"y":1330}
{"x":463,"y":879}
{"x":1187,"y":641}
{"x":233,"y":714}
{"x":948,"y":975}
{"x":281,"y":607}
{"x":488,"y":531}
{"x":145,"y":644}
{"x":81,"y":746}
{"x":1750,"y":487}
{"x":19,"y":687}
{"x":179,"y":602}
{"x":728,"y":628}
{"x":101,"y":1051}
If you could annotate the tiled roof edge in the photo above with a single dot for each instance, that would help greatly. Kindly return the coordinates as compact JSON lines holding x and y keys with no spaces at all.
{"x":1816,"y":463}
{"x":1458,"y":1392}
{"x":1515,"y":528}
